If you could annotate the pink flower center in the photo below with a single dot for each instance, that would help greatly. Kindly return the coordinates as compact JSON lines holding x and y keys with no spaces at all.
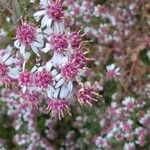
{"x":26,"y":33}
{"x":26,"y":79}
{"x":57,"y":105}
{"x":55,"y":11}
{"x":3,"y":69}
{"x":85,"y":95}
{"x":43,"y":79}
{"x":130,"y":105}
{"x":75,"y":39}
{"x":69,"y":71}
{"x":31,"y":97}
{"x":79,"y":59}
{"x":59,"y":43}
{"x":110,"y":74}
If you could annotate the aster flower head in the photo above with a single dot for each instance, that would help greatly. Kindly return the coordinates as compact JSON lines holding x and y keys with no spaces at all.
{"x":86,"y":95}
{"x":101,"y":142}
{"x":69,"y":71}
{"x":145,"y":120}
{"x":129,"y":146}
{"x":75,"y":39}
{"x":26,"y":78}
{"x":43,"y":79}
{"x":129,"y":103}
{"x":58,"y":42}
{"x":31,"y":98}
{"x":58,"y":107}
{"x":79,"y":58}
{"x":112,"y":71}
{"x":51,"y":12}
{"x":9,"y":69}
{"x":3,"y":69}
{"x":55,"y":10}
{"x":27,"y":35}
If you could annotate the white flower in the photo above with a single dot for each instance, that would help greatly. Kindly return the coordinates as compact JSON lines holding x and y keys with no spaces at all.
{"x":28,"y":36}
{"x":51,"y":12}
{"x":6,"y":62}
{"x":129,"y":146}
{"x":112,"y":71}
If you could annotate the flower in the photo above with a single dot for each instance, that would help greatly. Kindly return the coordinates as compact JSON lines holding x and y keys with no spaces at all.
{"x":28,"y":36}
{"x":58,"y":107}
{"x":79,"y":59}
{"x":51,"y":13}
{"x":31,"y":98}
{"x":145,"y":120}
{"x":129,"y":103}
{"x":112,"y":71}
{"x":43,"y":79}
{"x":75,"y":39}
{"x":86,"y":95}
{"x":9,"y":69}
{"x":101,"y":142}
{"x":69,"y":71}
{"x":26,"y":79}
{"x":58,"y":42}
{"x":129,"y":146}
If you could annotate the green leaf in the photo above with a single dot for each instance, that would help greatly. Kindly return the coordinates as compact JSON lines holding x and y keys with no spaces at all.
{"x":16,"y":10}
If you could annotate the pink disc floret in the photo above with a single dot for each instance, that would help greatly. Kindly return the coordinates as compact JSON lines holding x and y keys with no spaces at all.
{"x":3,"y":69}
{"x":43,"y":79}
{"x":59,"y":43}
{"x":26,"y":33}
{"x":26,"y":78}
{"x":58,"y":107}
{"x":69,"y":71}
{"x":55,"y":11}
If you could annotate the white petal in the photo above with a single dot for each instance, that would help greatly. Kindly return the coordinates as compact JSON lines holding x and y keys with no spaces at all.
{"x":54,"y":72}
{"x":5,"y":56}
{"x":34,"y":69}
{"x":56,"y":27}
{"x":13,"y":72}
{"x":46,"y":48}
{"x":64,"y":60}
{"x":22,"y":50}
{"x":38,"y":31}
{"x":117,"y":69}
{"x":59,"y":83}
{"x":38,"y":14}
{"x":112,"y":66}
{"x":17,"y":44}
{"x":37,"y":44}
{"x":57,"y":77}
{"x":57,"y":58}
{"x":48,"y":31}
{"x":56,"y":93}
{"x":70,"y":86}
{"x":35,"y":49}
{"x":46,"y":21}
{"x":48,"y":66}
{"x":24,"y":89}
{"x":27,"y":56}
{"x":61,"y":27}
{"x":44,"y":3}
{"x":9,"y":61}
{"x":50,"y":92}
{"x":49,"y":22}
{"x":39,"y":38}
{"x":64,"y":92}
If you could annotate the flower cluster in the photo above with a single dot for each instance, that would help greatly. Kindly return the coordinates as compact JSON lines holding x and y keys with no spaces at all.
{"x":54,"y":77}
{"x":74,"y":74}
